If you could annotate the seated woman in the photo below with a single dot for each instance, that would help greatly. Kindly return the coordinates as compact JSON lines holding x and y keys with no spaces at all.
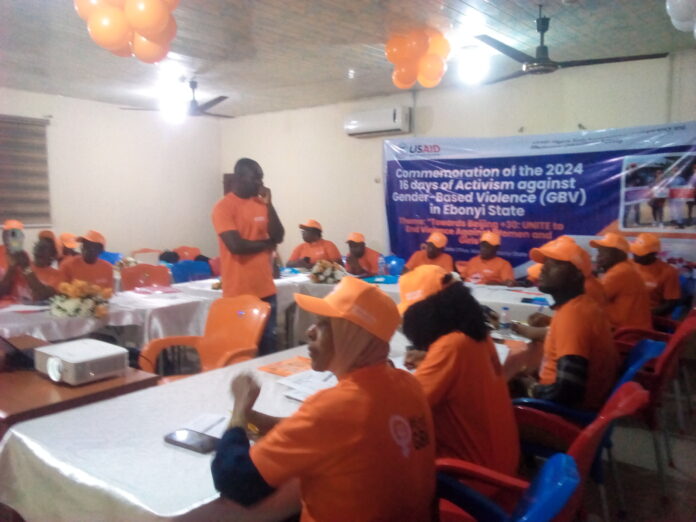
{"x":460,"y":374}
{"x":363,"y":450}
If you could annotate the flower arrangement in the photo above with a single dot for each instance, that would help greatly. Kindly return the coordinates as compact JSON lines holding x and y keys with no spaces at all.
{"x":80,"y":299}
{"x":327,"y":272}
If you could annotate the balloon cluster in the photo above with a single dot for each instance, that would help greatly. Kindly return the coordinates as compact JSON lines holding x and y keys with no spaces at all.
{"x":140,"y":28}
{"x":683,"y":15}
{"x":419,"y":54}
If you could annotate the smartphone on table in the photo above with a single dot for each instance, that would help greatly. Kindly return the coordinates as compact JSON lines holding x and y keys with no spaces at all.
{"x":192,"y":440}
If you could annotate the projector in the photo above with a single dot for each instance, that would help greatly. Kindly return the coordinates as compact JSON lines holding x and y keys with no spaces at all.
{"x":81,"y":361}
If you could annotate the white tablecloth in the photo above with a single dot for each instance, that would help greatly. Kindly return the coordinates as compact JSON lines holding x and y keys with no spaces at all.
{"x":108,"y":460}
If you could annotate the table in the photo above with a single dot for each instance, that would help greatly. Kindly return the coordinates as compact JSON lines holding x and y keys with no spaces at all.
{"x":135,"y":475}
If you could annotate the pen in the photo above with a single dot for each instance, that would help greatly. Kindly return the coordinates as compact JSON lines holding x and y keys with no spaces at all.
{"x":327,"y":377}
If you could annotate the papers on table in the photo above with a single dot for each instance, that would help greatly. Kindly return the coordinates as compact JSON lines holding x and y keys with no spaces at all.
{"x":306,"y":384}
{"x":288,"y":366}
{"x":213,"y":424}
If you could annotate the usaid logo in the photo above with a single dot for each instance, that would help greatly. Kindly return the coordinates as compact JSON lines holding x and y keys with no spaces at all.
{"x":419,"y":149}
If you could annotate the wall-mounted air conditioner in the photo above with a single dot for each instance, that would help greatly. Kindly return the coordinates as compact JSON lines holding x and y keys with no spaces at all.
{"x":395,"y":120}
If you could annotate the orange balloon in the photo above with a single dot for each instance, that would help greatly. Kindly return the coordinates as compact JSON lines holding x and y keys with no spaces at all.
{"x":171,"y":4}
{"x":165,"y":36}
{"x":400,"y":84}
{"x":109,"y":28}
{"x":396,"y":49}
{"x":147,"y":16}
{"x":125,"y":51}
{"x":417,"y":44}
{"x":116,"y":3}
{"x":440,"y":46}
{"x":85,"y":8}
{"x":427,"y":82}
{"x":406,"y":73}
{"x":431,"y":67}
{"x":147,"y":51}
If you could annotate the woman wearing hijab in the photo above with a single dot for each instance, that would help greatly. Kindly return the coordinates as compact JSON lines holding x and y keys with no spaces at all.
{"x":460,"y":372}
{"x":362,"y":450}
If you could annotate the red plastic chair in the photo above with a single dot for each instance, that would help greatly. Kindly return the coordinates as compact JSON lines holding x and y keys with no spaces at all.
{"x":583,"y":444}
{"x":232,"y":333}
{"x":187,"y":253}
{"x":145,"y":275}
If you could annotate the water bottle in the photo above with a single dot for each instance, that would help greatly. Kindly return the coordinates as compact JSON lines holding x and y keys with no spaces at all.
{"x":505,"y":321}
{"x":382,"y":266}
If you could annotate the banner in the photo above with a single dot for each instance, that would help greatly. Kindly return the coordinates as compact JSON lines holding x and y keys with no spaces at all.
{"x":531,"y":189}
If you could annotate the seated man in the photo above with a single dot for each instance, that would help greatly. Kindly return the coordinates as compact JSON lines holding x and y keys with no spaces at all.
{"x":314,"y":247}
{"x":31,"y":282}
{"x":361,"y":260}
{"x":362,"y":450}
{"x":580,"y":362}
{"x":661,"y":279}
{"x":487,"y":268}
{"x":433,"y":254}
{"x":88,"y":267}
{"x":628,"y":302}
{"x":12,"y":241}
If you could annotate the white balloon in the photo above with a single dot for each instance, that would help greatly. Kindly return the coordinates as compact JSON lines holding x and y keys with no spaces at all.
{"x":687,"y":27}
{"x":681,"y":10}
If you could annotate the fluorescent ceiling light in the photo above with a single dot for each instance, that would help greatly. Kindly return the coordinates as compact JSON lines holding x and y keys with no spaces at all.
{"x":474,"y":64}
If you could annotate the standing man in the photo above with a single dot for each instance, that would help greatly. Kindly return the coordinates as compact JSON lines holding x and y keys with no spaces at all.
{"x":249,"y":229}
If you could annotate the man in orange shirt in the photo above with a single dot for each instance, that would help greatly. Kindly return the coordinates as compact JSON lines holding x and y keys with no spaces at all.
{"x":362,"y":450}
{"x":461,"y":373}
{"x":487,"y":268}
{"x":361,"y":260}
{"x":12,"y":241}
{"x":314,"y":247}
{"x":88,"y":267}
{"x":628,"y":302}
{"x":35,"y":281}
{"x":580,"y":362}
{"x":661,"y":279}
{"x":69,"y":245}
{"x":249,"y":230}
{"x":433,"y":254}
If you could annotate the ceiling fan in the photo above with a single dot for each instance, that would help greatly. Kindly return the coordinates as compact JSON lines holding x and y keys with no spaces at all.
{"x":194,"y":108}
{"x":541,"y":63}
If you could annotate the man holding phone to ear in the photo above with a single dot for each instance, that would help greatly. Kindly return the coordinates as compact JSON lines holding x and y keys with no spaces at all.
{"x":248,"y":230}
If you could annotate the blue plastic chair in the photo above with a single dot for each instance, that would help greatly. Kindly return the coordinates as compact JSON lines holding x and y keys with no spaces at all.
{"x":546,"y":496}
{"x":395,"y":264}
{"x":111,"y":257}
{"x":185,"y":271}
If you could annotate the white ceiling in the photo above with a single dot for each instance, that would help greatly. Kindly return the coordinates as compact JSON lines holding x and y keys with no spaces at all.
{"x":269,"y":55}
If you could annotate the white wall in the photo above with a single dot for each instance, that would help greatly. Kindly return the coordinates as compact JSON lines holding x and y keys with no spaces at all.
{"x":316,"y":171}
{"x":138,"y":180}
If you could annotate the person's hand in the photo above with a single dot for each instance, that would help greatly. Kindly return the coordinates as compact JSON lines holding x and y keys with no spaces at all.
{"x":539,"y":319}
{"x":521,"y":329}
{"x":20,"y":259}
{"x":265,"y":194}
{"x":414,"y":358}
{"x":306,"y":263}
{"x":354,"y":265}
{"x":245,"y":391}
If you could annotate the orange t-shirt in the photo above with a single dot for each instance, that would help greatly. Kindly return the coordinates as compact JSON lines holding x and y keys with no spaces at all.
{"x":488,"y":271}
{"x":321,"y":249}
{"x":580,"y":327}
{"x":98,"y":273}
{"x":369,"y":262}
{"x":661,"y":281}
{"x":472,"y":411}
{"x":3,"y":258}
{"x":48,"y":275}
{"x":628,"y":302}
{"x":244,"y":273}
{"x":19,"y":290}
{"x":595,"y":290}
{"x":363,"y":450}
{"x":421,"y":258}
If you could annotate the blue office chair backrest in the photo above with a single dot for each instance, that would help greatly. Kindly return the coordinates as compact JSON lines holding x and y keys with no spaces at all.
{"x":111,"y":257}
{"x":185,"y":271}
{"x":550,"y":491}
{"x":640,"y":354}
{"x":395,"y":264}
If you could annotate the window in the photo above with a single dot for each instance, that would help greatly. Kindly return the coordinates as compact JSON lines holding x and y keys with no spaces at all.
{"x":24,"y":193}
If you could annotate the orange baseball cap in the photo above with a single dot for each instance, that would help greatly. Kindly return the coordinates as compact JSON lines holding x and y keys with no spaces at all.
{"x":563,"y":250}
{"x":13,"y":224}
{"x":69,"y":240}
{"x":611,"y":240}
{"x":438,"y":239}
{"x":311,"y":223}
{"x":534,"y":271}
{"x":645,"y":244}
{"x":94,"y":237}
{"x":356,"y":237}
{"x":358,"y":302}
{"x":420,"y":283}
{"x":491,"y":238}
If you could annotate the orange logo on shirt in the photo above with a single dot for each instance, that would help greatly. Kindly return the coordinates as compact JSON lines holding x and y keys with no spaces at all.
{"x":401,"y":433}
